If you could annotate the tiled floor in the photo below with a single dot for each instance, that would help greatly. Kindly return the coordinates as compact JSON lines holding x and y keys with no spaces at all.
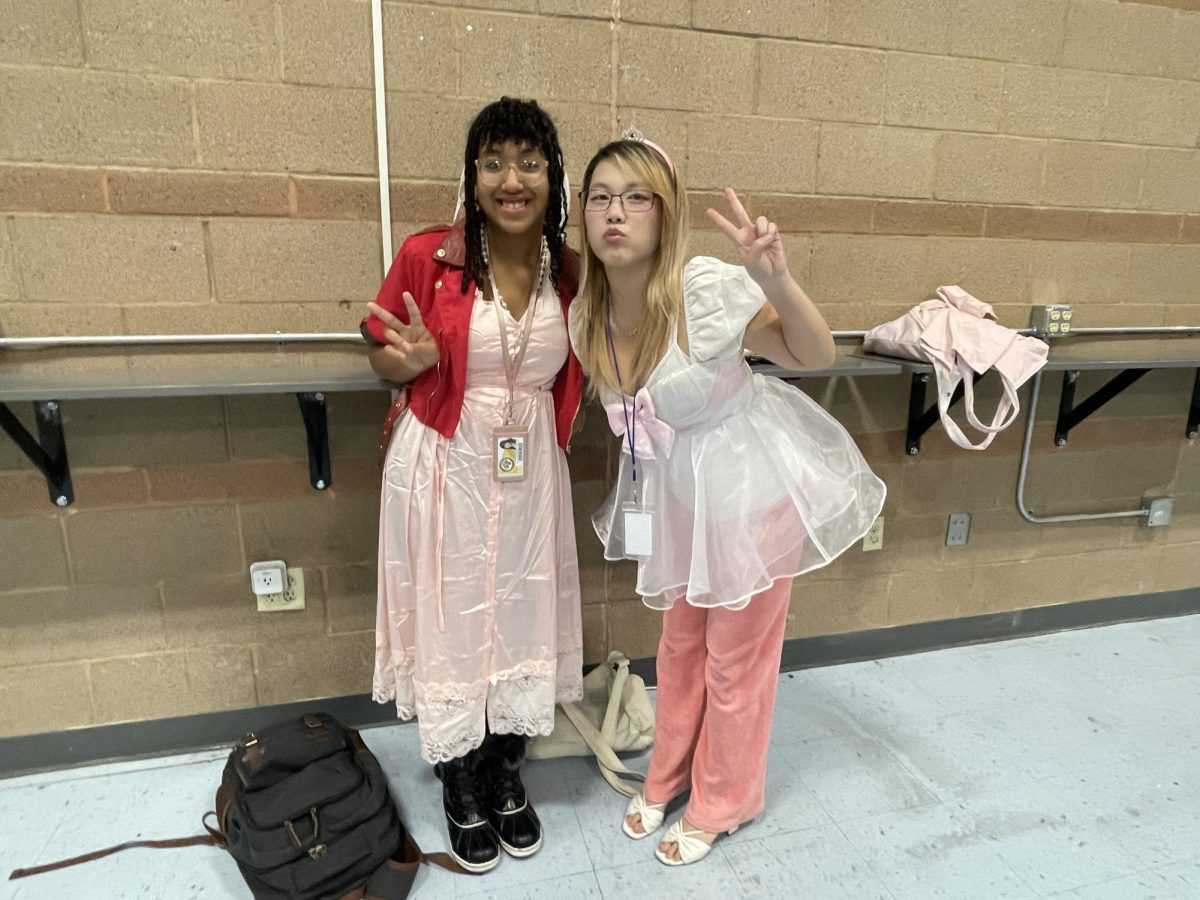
{"x":1066,"y":765}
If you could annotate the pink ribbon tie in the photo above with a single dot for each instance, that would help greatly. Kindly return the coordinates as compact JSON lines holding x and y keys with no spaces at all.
{"x":653,"y":436}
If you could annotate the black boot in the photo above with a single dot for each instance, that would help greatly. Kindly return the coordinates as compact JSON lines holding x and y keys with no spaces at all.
{"x":509,"y":810}
{"x":472,"y":841}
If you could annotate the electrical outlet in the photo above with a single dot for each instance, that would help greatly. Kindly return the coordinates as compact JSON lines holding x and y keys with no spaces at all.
{"x":874,"y":537}
{"x":1051,"y":321}
{"x":268,"y":577}
{"x":959,"y":530}
{"x":290,"y":598}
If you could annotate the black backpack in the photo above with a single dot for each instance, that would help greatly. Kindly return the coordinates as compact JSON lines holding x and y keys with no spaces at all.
{"x":305,"y":811}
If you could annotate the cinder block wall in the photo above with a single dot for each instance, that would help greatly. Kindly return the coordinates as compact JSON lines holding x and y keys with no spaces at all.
{"x":209,"y":166}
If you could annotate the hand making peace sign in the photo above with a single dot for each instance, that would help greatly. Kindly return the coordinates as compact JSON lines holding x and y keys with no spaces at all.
{"x":412,"y":344}
{"x":758,"y":243}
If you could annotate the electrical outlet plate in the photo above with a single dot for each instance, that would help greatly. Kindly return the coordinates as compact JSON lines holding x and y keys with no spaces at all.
{"x":959,"y":530}
{"x":290,"y":598}
{"x":874,"y":537}
{"x":1051,"y":321}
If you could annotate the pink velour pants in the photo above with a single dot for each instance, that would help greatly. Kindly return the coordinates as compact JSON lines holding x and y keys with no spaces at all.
{"x":717,"y":674}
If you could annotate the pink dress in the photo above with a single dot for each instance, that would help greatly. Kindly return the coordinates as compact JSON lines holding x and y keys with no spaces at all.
{"x":747,"y":478}
{"x":478,"y":614}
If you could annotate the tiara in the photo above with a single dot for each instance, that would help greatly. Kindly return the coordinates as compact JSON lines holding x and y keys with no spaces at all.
{"x":632,"y":134}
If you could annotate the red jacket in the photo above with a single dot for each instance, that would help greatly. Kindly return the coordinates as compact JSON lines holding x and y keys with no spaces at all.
{"x":429,"y":266}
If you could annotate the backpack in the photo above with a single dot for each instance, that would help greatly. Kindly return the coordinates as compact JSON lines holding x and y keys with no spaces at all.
{"x":305,"y":811}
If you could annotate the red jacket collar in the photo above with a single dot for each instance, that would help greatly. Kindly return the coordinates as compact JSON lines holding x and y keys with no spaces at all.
{"x":453,"y":249}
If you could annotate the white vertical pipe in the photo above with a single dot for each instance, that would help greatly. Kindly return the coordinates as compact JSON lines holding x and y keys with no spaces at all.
{"x":381,"y":134}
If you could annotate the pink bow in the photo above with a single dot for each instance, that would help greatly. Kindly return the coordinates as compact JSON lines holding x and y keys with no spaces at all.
{"x":651,"y":433}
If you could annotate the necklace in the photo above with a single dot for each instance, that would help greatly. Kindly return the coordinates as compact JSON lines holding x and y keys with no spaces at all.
{"x":543,"y":259}
{"x":621,"y":329}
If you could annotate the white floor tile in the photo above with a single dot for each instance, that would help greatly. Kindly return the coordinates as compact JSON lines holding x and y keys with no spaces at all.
{"x":816,"y":863}
{"x":1051,"y":849}
{"x":1143,"y":886}
{"x":855,"y":775}
{"x":929,"y":854}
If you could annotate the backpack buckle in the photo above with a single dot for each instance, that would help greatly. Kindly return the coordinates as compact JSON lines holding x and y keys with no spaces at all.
{"x":316,"y":726}
{"x":317,"y":850}
{"x":252,"y":751}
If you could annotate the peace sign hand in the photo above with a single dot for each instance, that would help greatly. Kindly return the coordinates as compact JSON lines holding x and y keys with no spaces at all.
{"x":758,"y":243}
{"x":411,"y":344}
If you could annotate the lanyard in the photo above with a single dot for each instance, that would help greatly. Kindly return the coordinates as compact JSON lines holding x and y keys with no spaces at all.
{"x":630,"y":416}
{"x":512,"y":365}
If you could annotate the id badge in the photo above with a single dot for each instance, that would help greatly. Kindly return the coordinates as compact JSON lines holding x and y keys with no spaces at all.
{"x":510,"y":446}
{"x":638,"y":529}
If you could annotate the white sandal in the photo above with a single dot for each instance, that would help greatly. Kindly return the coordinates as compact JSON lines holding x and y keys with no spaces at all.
{"x":691,"y":848}
{"x":652,"y":816}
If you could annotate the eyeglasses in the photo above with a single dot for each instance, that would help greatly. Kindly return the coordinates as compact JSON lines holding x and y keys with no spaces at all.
{"x":637,"y":200}
{"x":493,"y":170}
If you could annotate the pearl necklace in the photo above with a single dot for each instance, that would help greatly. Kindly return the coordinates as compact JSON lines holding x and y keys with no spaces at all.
{"x":544,"y":257}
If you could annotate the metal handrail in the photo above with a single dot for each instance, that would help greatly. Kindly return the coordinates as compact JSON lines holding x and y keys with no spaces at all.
{"x":158,"y":340}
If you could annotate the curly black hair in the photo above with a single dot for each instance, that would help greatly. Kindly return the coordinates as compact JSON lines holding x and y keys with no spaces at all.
{"x":510,"y":119}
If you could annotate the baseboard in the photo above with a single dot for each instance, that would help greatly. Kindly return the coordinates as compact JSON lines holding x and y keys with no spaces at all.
{"x":898,"y":640}
{"x":132,"y":740}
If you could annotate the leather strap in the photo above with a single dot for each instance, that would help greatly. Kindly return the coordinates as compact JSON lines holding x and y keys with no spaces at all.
{"x":213,"y":838}
{"x":390,"y":881}
{"x":445,"y":861}
{"x":394,"y":879}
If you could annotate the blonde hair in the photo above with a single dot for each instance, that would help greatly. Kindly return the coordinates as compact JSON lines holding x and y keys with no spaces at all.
{"x":664,"y":292}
